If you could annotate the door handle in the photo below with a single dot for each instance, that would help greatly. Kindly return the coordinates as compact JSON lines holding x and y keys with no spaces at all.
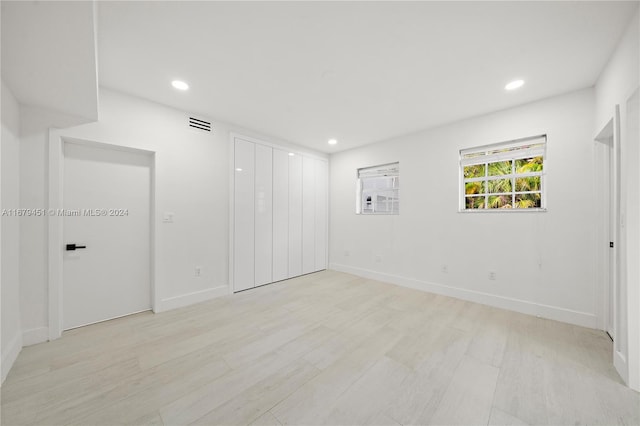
{"x":72,"y":247}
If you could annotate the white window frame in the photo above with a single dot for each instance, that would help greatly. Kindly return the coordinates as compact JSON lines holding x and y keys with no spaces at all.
{"x":529,"y":147}
{"x":390,"y":171}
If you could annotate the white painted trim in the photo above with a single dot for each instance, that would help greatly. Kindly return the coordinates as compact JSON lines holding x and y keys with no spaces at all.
{"x":604,"y":256}
{"x":154,"y":230}
{"x":109,"y":319}
{"x":55,"y":259}
{"x":192,"y":298}
{"x":55,"y":224}
{"x":35,"y":336}
{"x":619,"y":278}
{"x":10,"y":354}
{"x":620,"y":364}
{"x":328,"y":218}
{"x":632,"y":242}
{"x":556,"y":313}
{"x":232,"y":201}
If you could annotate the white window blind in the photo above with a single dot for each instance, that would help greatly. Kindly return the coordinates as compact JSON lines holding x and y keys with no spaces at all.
{"x":522,"y":148}
{"x":378,"y":189}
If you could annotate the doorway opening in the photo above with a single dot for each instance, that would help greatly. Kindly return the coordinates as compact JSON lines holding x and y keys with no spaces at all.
{"x":101,"y":233}
{"x":606,"y":166}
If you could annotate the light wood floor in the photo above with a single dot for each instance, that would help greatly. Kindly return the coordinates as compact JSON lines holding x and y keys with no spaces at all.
{"x":326,"y":348}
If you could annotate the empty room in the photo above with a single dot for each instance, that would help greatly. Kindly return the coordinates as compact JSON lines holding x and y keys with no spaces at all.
{"x":320,"y":212}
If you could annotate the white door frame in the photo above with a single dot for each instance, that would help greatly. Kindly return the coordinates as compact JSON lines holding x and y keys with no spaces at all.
{"x":55,"y":223}
{"x":608,"y":256}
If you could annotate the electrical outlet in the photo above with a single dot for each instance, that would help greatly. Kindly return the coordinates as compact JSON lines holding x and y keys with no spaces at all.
{"x":378,"y":258}
{"x":445,"y":269}
{"x":198,"y":271}
{"x":492,"y":275}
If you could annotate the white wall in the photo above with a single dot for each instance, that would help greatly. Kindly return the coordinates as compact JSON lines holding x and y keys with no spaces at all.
{"x":34,"y":123}
{"x":619,"y":79}
{"x":543,"y":261}
{"x":620,"y":76}
{"x":192,"y":181}
{"x":11,"y":340}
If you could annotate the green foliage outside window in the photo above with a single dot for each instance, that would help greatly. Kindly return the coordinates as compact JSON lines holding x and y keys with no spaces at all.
{"x":489,"y":190}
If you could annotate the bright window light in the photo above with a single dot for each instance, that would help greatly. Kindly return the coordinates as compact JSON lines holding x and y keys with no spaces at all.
{"x":504,"y":177}
{"x":180,"y":85}
{"x":291,"y":154}
{"x":516,"y":84}
{"x":378,"y":189}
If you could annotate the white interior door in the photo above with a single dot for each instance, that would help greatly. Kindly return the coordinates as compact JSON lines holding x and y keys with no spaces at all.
{"x":107,"y":195}
{"x":308,"y":215}
{"x":244,"y":216}
{"x":321,"y":215}
{"x":605,"y":181}
{"x":610,"y":261}
{"x":264,"y":215}
{"x":295,"y":216}
{"x":280,"y":215}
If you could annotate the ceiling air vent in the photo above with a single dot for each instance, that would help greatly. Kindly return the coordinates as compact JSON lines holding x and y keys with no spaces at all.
{"x":199,"y":124}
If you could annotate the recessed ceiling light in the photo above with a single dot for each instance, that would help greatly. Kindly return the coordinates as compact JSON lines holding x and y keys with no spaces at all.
{"x":291,"y":154}
{"x":515,"y":84}
{"x":180,"y":85}
{"x":238,"y":169}
{"x":332,"y":141}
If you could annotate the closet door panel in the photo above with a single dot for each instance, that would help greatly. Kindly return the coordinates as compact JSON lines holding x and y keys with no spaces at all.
{"x":243,"y":225}
{"x":280,"y":215}
{"x":295,"y":216}
{"x":308,"y":214}
{"x":321,"y":216}
{"x":263,"y":215}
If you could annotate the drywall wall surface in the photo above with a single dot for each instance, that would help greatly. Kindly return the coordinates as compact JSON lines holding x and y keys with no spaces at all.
{"x":542,"y":260}
{"x":615,"y":87}
{"x":620,"y":76}
{"x":34,"y":125}
{"x":11,"y":340}
{"x":191,"y":182}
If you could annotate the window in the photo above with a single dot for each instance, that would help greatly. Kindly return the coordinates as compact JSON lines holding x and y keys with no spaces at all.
{"x":509,"y":175}
{"x":378,"y":189}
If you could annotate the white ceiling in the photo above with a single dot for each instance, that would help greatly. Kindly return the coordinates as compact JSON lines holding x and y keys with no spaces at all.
{"x":49,"y":56}
{"x":305,"y":72}
{"x":356,"y":71}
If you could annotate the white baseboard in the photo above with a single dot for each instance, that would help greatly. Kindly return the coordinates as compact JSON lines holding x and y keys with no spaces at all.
{"x":518,"y":305}
{"x":10,"y":354}
{"x":621,"y":366}
{"x":35,"y":336}
{"x":191,"y":298}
